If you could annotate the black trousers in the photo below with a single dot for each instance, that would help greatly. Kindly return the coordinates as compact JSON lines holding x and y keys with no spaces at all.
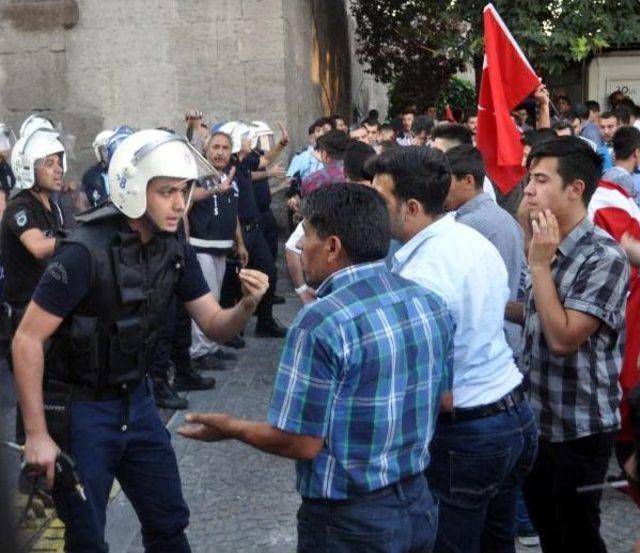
{"x":261,"y":259}
{"x":566,"y":520}
{"x":269,"y":227}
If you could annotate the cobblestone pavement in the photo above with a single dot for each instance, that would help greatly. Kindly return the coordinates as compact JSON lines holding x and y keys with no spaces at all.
{"x":242,"y":500}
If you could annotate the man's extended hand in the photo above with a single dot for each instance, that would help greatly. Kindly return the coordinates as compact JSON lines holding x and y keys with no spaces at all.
{"x":254,"y":285}
{"x":545,"y":240}
{"x":41,"y":452}
{"x":541,"y":95}
{"x":208,"y":427}
{"x":276,"y":172}
{"x":284,"y":138}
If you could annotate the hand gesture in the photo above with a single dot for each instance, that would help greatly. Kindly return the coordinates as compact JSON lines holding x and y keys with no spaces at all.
{"x":226,"y":184}
{"x":545,"y":240}
{"x":41,"y":452}
{"x":277,"y":171}
{"x":308,"y":296}
{"x":541,"y":95}
{"x":207,"y":427}
{"x":254,"y":285}
{"x":284,"y":138}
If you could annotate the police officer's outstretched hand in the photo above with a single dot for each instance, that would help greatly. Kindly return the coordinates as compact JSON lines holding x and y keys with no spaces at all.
{"x":41,"y":452}
{"x":254,"y":286}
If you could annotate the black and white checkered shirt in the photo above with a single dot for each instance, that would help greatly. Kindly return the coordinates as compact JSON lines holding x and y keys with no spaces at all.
{"x":578,"y":395}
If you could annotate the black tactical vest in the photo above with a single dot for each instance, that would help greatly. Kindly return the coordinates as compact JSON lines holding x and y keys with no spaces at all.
{"x":109,"y":338}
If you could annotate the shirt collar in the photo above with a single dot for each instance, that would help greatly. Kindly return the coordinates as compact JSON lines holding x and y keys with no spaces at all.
{"x":406,"y":251}
{"x":575,"y":236}
{"x":350,"y":274}
{"x":473,"y":204}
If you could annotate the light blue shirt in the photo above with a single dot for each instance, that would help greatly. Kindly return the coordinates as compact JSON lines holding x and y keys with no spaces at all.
{"x":463,"y":267}
{"x":305,"y":163}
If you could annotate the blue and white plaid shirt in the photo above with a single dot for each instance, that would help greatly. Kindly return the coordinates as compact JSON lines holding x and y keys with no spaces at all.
{"x":364,"y":367}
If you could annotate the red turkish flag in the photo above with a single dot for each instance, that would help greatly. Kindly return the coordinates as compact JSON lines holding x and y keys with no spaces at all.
{"x":507,"y":79}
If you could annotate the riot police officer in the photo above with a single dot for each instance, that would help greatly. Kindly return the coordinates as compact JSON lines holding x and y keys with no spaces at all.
{"x":95,"y":182}
{"x":31,"y":220}
{"x":100,"y":304}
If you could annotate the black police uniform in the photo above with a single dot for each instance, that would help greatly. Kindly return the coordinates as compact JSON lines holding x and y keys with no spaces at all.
{"x":22,"y":270}
{"x":266,"y":219}
{"x":112,"y":292}
{"x":260,"y":257}
{"x":95,"y":184}
{"x":7,"y":182}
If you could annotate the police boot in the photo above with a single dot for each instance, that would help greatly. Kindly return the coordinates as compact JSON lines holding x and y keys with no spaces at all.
{"x":166,"y":397}
{"x":187,"y":378}
{"x":270,"y":328}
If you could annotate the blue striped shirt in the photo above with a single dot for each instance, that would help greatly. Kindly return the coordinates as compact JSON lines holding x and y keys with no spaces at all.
{"x":364,"y":367}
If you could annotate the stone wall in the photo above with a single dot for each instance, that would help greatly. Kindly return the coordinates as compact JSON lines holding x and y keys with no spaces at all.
{"x":94,"y":64}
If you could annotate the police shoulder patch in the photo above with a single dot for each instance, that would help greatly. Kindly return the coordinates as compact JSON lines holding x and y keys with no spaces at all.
{"x":21,"y":218}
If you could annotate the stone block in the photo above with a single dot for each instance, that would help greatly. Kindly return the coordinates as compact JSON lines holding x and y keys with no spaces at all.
{"x":260,"y":39}
{"x":257,"y":9}
{"x":34,"y":80}
{"x":193,"y":11}
{"x":265,"y":86}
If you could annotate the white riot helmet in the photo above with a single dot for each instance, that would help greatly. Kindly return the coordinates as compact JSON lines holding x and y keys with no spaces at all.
{"x":146,"y":155}
{"x":34,"y":122}
{"x":263,"y":136}
{"x":100,"y":145}
{"x":238,"y":133}
{"x":35,"y":146}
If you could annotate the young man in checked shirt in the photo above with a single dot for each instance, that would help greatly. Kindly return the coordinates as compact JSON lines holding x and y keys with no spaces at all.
{"x":358,"y":389}
{"x":573,"y":343}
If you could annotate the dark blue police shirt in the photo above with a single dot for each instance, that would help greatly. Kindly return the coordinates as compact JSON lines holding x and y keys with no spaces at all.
{"x":94,"y":184}
{"x":67,"y":280}
{"x":247,"y":207}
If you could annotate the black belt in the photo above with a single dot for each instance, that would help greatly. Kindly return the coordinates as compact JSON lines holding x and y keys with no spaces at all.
{"x":391,"y":488}
{"x":513,"y":398}
{"x":248,"y":227}
{"x":87,"y":393}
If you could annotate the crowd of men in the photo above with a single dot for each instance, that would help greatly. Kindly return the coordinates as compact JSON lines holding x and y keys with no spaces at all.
{"x":465,"y":361}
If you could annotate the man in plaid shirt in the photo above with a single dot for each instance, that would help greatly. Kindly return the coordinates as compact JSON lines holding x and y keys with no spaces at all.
{"x":573,"y":343}
{"x":358,"y":388}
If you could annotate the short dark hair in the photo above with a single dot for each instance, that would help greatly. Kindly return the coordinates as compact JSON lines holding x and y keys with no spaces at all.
{"x":356,"y":214}
{"x":423,"y":123}
{"x":563,"y":97}
{"x":471,"y":113}
{"x":613,"y":95}
{"x":408,"y":110}
{"x":371,"y":122}
{"x":580,"y":110}
{"x":625,"y":141}
{"x":592,"y":105}
{"x":385,"y":127}
{"x":576,"y":161}
{"x":562,"y":124}
{"x":537,"y":136}
{"x":623,"y":113}
{"x":466,"y":160}
{"x":454,"y":132}
{"x":608,"y":115}
{"x":322,"y":121}
{"x":354,"y":159}
{"x":418,"y":172}
{"x":374,"y":114}
{"x":334,"y":143}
